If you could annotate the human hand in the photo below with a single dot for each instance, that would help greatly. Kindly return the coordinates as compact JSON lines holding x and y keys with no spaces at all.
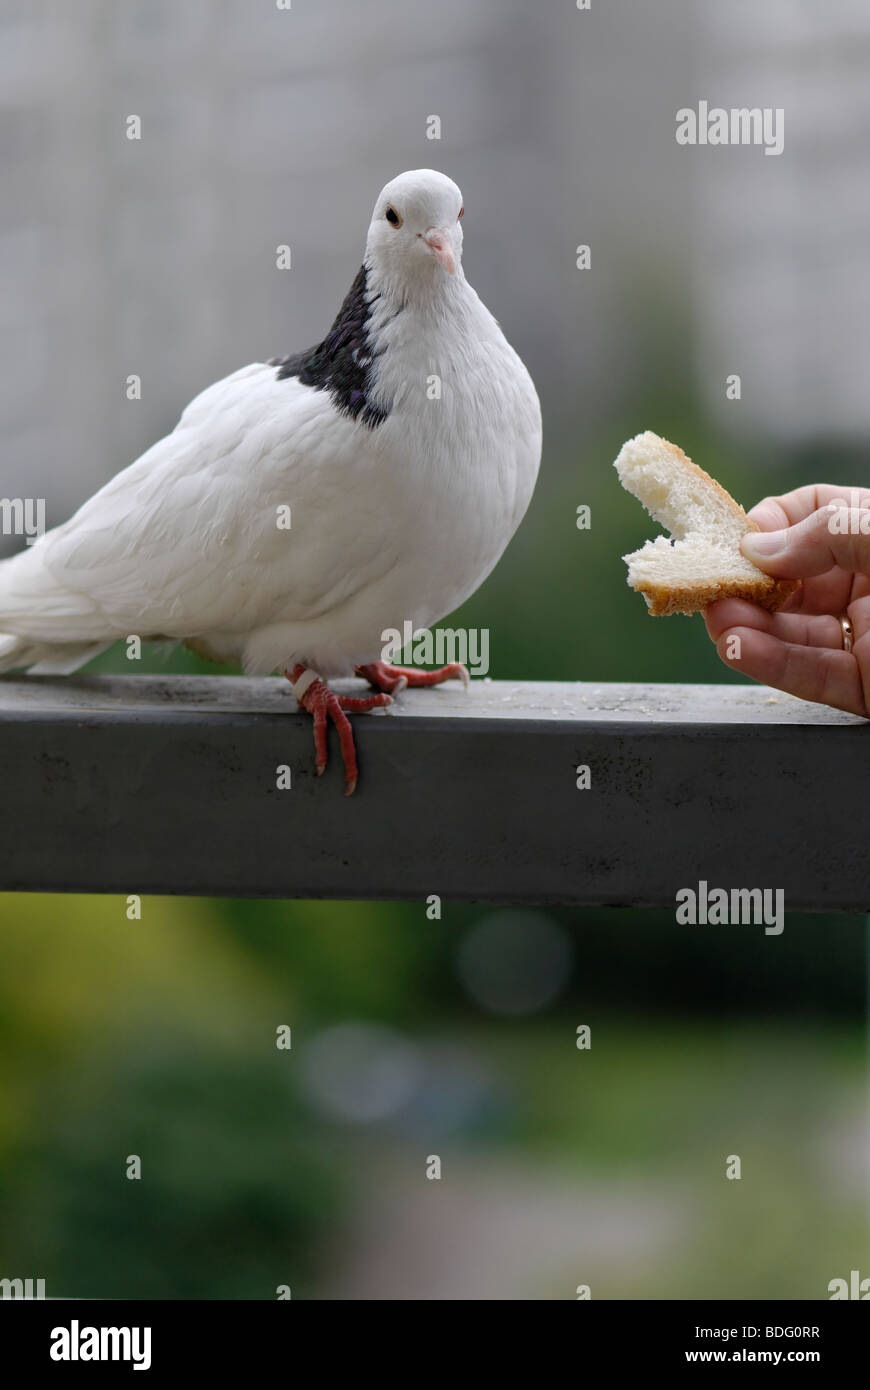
{"x":819,"y":534}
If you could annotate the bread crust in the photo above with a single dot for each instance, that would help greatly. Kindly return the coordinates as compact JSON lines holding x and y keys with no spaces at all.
{"x":664,"y":599}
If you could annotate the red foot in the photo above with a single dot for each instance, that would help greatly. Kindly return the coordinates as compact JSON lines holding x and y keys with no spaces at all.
{"x":324,"y":704}
{"x":383,"y":676}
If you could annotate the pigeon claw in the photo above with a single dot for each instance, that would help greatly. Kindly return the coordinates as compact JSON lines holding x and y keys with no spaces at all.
{"x":324,"y":705}
{"x":394,"y":679}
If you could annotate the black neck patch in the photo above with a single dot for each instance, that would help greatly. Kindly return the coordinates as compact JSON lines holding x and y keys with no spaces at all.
{"x":342,"y":363}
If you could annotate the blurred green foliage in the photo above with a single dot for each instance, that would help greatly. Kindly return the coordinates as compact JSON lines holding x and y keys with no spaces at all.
{"x":157,"y":1038}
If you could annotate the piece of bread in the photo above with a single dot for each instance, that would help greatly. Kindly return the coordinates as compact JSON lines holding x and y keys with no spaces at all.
{"x":703,"y":561}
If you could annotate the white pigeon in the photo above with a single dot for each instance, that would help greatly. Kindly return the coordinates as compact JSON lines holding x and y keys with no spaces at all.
{"x":402,"y":496}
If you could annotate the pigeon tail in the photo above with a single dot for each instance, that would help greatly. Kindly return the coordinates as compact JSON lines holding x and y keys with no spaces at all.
{"x":45,"y":658}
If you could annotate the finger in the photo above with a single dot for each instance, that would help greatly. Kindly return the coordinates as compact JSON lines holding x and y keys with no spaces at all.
{"x":770,"y":514}
{"x":727,"y":613}
{"x":827,"y":593}
{"x":837,"y":535}
{"x":812,"y":673}
{"x":773,"y":513}
{"x":802,"y":629}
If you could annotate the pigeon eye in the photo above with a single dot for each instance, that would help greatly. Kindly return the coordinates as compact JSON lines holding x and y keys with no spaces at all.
{"x":393,"y":217}
{"x":461,"y":211}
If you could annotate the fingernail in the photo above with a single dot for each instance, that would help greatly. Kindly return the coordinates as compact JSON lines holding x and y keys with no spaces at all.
{"x":762,"y":544}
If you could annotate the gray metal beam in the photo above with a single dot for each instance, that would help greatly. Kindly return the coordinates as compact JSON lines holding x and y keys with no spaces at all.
{"x":142,"y":784}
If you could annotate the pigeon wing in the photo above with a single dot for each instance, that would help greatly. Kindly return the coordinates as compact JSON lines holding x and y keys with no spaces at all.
{"x":187,"y":539}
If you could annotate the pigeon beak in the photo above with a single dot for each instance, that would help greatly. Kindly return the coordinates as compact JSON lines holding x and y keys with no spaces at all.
{"x":440,"y":244}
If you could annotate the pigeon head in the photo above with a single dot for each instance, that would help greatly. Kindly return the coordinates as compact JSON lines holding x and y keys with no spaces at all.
{"x":414,"y":243}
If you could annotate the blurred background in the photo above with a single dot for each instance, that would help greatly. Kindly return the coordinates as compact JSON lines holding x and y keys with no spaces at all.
{"x":156,"y":257}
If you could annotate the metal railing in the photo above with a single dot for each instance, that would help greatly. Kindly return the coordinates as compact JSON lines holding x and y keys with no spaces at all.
{"x":513,"y":792}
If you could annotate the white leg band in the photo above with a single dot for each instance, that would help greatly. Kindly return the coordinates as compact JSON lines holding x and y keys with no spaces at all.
{"x":307,"y":678}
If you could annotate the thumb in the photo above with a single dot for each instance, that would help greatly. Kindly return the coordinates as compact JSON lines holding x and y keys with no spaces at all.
{"x":835,"y":536}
